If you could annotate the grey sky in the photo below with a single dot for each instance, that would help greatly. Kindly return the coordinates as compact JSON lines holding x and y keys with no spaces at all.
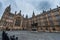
{"x":27,"y":6}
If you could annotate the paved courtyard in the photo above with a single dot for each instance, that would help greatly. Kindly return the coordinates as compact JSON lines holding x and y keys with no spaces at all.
{"x":27,"y":35}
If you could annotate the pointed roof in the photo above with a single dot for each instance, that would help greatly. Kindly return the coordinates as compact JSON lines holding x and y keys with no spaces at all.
{"x":33,"y":14}
{"x":50,"y":9}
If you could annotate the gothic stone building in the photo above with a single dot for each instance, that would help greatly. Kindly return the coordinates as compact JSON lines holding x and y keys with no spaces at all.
{"x":46,"y":21}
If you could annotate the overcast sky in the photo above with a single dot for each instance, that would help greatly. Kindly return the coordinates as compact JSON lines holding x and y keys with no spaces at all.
{"x":27,"y":6}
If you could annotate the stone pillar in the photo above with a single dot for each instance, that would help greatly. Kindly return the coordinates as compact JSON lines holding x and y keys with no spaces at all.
{"x":48,"y":23}
{"x":54,"y":19}
{"x":21,"y":23}
{"x":14,"y":23}
{"x":59,"y":15}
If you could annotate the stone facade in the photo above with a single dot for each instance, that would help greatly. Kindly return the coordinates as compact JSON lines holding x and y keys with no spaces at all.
{"x":46,"y":21}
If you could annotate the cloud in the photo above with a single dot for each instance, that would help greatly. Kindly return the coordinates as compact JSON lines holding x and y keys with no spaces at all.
{"x":27,"y":6}
{"x":5,"y":3}
{"x":43,"y":5}
{"x":1,"y":6}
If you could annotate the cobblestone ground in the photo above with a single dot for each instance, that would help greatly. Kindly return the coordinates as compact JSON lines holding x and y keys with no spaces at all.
{"x":27,"y":35}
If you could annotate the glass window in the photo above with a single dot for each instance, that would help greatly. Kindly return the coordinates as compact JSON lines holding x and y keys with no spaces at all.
{"x":49,"y":14}
{"x":58,"y":23}
{"x":57,"y":17}
{"x":50,"y":18}
{"x":10,"y":16}
{"x":56,"y":13}
{"x":17,"y":23}
{"x":4,"y":23}
{"x":38,"y":18}
{"x":51,"y":23}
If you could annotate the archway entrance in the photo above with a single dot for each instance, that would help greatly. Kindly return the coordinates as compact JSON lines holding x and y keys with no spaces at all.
{"x":34,"y":26}
{"x":34,"y":29}
{"x":54,"y":29}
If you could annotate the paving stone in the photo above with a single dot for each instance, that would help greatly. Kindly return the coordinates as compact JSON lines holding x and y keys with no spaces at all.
{"x":27,"y":35}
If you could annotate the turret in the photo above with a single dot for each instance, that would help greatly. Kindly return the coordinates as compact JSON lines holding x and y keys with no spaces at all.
{"x":44,"y":11}
{"x":57,"y":6}
{"x":19,"y":13}
{"x":15,"y":12}
{"x":8,"y":9}
{"x":23,"y":15}
{"x":50,"y":9}
{"x":26,"y":16}
{"x":33,"y":14}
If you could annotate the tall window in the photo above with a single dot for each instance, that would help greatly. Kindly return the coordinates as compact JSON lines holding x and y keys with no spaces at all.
{"x":51,"y":24}
{"x":56,"y":13}
{"x":10,"y":16}
{"x":4,"y":24}
{"x":57,"y":17}
{"x":17,"y":23}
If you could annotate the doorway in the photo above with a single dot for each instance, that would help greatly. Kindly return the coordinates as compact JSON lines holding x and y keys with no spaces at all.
{"x":34,"y":29}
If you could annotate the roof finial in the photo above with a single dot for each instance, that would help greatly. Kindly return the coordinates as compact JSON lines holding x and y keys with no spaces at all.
{"x":44,"y":11}
{"x":57,"y":6}
{"x":19,"y":13}
{"x":26,"y":16}
{"x":15,"y":12}
{"x":50,"y":9}
{"x":33,"y":14}
{"x":23,"y":15}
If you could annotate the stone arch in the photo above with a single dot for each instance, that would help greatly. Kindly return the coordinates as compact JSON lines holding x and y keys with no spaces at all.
{"x":17,"y":21}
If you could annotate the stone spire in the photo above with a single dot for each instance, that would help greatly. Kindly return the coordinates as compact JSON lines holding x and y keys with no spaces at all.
{"x":19,"y":13}
{"x":23,"y":15}
{"x":57,"y":6}
{"x":26,"y":16}
{"x":15,"y":12}
{"x":50,"y":9}
{"x":33,"y":14}
{"x":8,"y":9}
{"x":44,"y":11}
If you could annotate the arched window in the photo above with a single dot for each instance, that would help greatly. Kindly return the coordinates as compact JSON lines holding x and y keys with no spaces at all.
{"x":17,"y":22}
